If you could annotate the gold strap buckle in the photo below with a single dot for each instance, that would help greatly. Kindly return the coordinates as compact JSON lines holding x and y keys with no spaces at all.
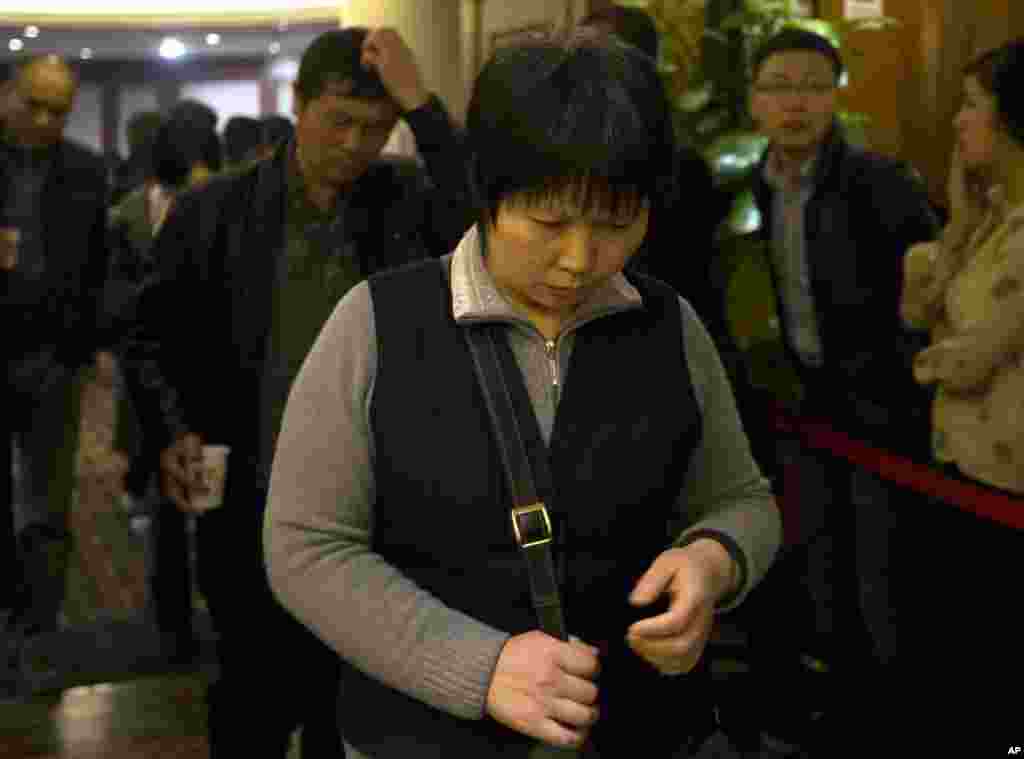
{"x":531,"y":525}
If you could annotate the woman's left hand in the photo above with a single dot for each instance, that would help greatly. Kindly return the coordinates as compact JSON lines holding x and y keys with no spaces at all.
{"x":961,"y":363}
{"x":695,"y":578}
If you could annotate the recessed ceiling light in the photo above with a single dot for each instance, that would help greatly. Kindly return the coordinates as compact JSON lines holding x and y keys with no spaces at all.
{"x":86,"y":53}
{"x":31,"y":32}
{"x":212,"y":38}
{"x":275,"y":48}
{"x":172,"y":48}
{"x":15,"y":45}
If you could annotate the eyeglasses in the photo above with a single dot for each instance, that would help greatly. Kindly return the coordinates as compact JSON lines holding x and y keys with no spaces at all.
{"x":792,"y":88}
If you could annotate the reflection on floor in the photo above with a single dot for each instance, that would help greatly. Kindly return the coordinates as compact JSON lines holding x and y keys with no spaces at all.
{"x":159,"y":718}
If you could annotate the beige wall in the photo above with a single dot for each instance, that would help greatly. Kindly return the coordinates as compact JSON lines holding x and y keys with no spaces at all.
{"x":501,"y":16}
{"x":497,"y":17}
{"x":452,"y":38}
{"x":433,"y":29}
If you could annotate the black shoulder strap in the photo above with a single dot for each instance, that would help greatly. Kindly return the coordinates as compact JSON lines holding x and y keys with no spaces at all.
{"x":530,"y":521}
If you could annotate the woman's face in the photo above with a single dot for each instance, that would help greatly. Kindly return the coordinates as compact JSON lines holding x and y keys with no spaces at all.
{"x":548,"y":258}
{"x":977,"y":127}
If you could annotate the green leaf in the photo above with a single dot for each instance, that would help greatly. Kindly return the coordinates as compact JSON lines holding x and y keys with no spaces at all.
{"x":744,"y":217}
{"x":716,"y":35}
{"x":712,"y":122}
{"x":734,"y":21}
{"x":855,"y":127}
{"x":633,"y":3}
{"x":766,"y":7}
{"x":734,"y":155}
{"x":696,"y":98}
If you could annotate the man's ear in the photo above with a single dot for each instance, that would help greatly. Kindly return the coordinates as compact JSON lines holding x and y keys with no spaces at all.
{"x":298,"y":103}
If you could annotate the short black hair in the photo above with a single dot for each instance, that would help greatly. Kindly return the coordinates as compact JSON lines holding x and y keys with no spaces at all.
{"x":1001,"y":73}
{"x":185,"y":138}
{"x":141,"y":128}
{"x":335,"y":56}
{"x":243,"y":136}
{"x":633,"y":26}
{"x":575,"y":113}
{"x":196,"y":112}
{"x":793,"y":39}
{"x":277,"y":129}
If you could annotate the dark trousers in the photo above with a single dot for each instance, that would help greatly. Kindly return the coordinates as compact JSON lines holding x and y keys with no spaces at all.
{"x":170,"y":575}
{"x":827,"y":599}
{"x":45,"y":433}
{"x":10,"y":569}
{"x":275,"y":675}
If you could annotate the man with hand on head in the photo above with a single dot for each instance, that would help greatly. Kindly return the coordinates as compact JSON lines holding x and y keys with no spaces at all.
{"x":250,"y":266}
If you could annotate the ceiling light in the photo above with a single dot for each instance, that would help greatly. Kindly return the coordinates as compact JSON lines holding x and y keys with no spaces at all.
{"x":15,"y":45}
{"x":275,"y":48}
{"x":86,"y":53}
{"x":212,"y":38}
{"x":172,"y":48}
{"x":31,"y":32}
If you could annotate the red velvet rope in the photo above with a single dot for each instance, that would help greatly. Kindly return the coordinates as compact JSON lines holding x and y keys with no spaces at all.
{"x":902,"y":471}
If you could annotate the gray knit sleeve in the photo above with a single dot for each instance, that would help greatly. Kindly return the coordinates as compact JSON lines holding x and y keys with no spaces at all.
{"x":725,"y":496}
{"x":319,"y":523}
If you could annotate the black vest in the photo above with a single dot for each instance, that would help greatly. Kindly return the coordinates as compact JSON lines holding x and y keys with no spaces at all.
{"x":624,"y":434}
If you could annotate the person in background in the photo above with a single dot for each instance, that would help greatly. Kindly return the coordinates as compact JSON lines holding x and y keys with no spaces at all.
{"x":680,"y":245}
{"x":185,"y":154}
{"x":248,"y":269}
{"x":137,"y":167}
{"x":398,"y":552}
{"x":966,"y":290}
{"x":277,"y":130}
{"x":243,"y":140}
{"x":53,"y":200}
{"x":837,"y":222}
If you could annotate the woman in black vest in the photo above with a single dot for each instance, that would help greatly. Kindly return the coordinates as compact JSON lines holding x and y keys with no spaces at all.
{"x":388,"y":529}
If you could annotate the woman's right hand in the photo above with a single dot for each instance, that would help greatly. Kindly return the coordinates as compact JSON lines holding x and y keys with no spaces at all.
{"x":968,"y":199}
{"x":546,"y":689}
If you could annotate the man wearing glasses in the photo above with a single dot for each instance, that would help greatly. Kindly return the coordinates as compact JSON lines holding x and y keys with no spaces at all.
{"x":837,"y":221}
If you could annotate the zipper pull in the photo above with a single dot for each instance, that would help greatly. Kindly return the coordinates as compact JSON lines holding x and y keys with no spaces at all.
{"x":551,"y":350}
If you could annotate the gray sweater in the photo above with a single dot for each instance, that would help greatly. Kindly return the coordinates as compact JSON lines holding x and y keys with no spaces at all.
{"x":319,"y":519}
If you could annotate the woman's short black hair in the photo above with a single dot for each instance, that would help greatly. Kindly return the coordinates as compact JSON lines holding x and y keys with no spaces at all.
{"x":793,"y":39}
{"x":334,"y":56}
{"x":1001,"y":73}
{"x":580,"y":114}
{"x":186,"y":138}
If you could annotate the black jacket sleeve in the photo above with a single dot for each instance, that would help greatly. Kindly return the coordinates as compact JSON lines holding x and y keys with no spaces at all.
{"x":167,"y":313}
{"x":448,"y":210}
{"x":89,"y":338}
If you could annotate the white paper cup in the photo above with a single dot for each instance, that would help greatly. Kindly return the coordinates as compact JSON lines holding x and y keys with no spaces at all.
{"x":215,"y":473}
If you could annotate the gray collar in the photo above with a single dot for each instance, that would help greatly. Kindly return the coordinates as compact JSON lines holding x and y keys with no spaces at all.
{"x":476,"y":298}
